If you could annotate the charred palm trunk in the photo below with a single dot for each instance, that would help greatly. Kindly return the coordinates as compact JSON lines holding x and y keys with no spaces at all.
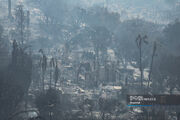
{"x":140,"y":64}
{"x":151,"y":66}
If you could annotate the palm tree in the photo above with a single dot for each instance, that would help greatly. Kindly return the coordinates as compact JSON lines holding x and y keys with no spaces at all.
{"x":152,"y":60}
{"x":140,"y":40}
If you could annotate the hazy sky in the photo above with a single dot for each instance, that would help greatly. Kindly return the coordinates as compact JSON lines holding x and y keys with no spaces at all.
{"x":159,"y":11}
{"x":152,"y":10}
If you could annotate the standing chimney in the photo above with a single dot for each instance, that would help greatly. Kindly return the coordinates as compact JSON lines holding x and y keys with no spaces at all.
{"x":9,"y":8}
